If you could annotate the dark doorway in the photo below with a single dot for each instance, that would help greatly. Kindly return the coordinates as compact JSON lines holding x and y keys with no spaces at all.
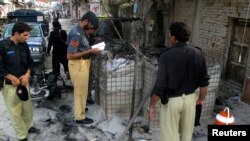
{"x":238,"y":53}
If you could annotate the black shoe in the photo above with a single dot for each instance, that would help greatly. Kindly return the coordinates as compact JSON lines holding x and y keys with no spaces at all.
{"x":23,"y":139}
{"x":90,"y":101}
{"x":34,"y":130}
{"x":85,"y":121}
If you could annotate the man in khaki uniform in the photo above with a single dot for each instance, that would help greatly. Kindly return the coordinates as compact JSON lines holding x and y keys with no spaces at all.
{"x":78,"y":54}
{"x":15,"y":68}
{"x":182,"y":69}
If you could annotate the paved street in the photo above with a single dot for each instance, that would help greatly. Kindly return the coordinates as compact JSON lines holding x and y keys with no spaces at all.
{"x":55,"y":118}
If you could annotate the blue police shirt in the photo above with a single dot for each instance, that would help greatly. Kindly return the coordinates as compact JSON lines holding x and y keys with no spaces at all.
{"x":77,"y":35}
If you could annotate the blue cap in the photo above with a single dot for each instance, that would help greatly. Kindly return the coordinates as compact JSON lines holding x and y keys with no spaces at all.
{"x":91,"y":17}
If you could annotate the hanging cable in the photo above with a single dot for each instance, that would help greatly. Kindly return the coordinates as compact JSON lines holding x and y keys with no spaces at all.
{"x":243,"y":37}
{"x":118,"y":33}
{"x":133,"y":46}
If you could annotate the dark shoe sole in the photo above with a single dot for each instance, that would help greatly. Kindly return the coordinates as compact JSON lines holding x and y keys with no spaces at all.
{"x":34,"y":130}
{"x":90,"y":102}
{"x":86,"y":121}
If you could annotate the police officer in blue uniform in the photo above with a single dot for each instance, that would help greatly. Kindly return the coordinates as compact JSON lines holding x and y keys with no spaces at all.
{"x":78,"y":54}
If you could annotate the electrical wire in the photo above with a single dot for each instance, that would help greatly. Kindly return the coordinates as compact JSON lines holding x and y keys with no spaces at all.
{"x":118,"y":33}
{"x":133,"y":46}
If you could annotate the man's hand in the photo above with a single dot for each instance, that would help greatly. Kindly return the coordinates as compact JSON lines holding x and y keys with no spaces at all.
{"x":151,"y":109}
{"x":202,"y":95}
{"x":14,"y":80}
{"x":95,"y":51}
{"x":151,"y":112}
{"x":200,"y":101}
{"x":24,"y":79}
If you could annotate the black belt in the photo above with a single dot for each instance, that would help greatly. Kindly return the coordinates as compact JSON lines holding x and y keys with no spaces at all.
{"x":8,"y":82}
{"x":179,"y":95}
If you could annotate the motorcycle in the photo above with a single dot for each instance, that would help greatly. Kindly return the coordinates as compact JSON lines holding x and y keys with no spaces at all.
{"x":44,"y":86}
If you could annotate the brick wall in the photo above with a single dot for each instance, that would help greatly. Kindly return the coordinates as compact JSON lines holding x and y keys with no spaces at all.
{"x":184,"y":11}
{"x":214,"y":19}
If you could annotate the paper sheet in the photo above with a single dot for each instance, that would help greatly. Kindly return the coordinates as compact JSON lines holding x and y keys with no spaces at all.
{"x":100,"y":45}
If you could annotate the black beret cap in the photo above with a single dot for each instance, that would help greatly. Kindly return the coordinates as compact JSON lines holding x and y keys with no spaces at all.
{"x":91,"y":17}
{"x":22,"y":92}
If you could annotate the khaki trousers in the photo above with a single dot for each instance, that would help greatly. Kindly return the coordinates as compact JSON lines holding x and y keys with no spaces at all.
{"x":79,"y":74}
{"x":21,"y":114}
{"x":177,"y":118}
